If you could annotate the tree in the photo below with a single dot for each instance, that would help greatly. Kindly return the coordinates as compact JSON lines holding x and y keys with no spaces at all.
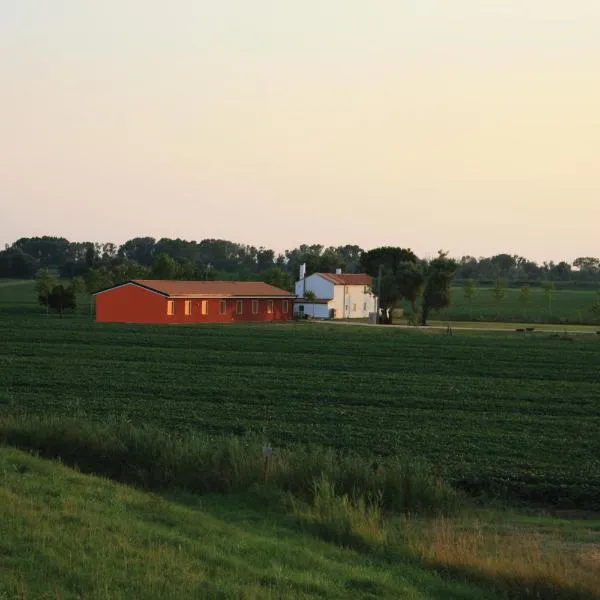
{"x":16,"y":263}
{"x":524,"y":297}
{"x":164,"y":267}
{"x":409,"y":279}
{"x":388,"y":257}
{"x":140,"y":249}
{"x":61,"y":299}
{"x":99,"y":279}
{"x":438,"y":277}
{"x":595,"y":308}
{"x":45,"y":282}
{"x":499,"y":291}
{"x":279,"y":278}
{"x":401,"y":277}
{"x":78,"y":285}
{"x":470,"y":291}
{"x":587,"y":263}
{"x":549,"y":289}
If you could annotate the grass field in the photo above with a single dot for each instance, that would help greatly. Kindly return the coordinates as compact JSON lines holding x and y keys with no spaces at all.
{"x":505,"y":414}
{"x":510,"y":418}
{"x":567,"y":306}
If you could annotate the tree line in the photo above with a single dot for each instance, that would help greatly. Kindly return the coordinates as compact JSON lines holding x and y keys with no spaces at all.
{"x":216,"y":258}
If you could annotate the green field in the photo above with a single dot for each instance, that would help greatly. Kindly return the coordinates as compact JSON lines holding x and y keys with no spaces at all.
{"x":511,"y":418}
{"x":567,"y":306}
{"x":505,"y":414}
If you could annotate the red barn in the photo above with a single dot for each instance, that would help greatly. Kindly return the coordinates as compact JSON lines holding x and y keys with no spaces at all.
{"x":166,"y":301}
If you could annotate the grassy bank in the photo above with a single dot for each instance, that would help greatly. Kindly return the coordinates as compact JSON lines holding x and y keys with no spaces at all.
{"x":69,"y":535}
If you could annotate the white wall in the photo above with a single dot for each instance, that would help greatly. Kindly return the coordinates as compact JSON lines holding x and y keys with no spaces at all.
{"x":343,"y":297}
{"x":322,"y":288}
{"x":318,"y":311}
{"x":350,"y":296}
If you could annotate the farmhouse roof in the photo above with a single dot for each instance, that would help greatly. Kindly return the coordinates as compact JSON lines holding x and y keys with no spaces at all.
{"x":348,"y":278}
{"x":211,"y":289}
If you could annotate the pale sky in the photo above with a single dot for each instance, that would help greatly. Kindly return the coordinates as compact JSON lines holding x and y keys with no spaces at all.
{"x":466,"y":125}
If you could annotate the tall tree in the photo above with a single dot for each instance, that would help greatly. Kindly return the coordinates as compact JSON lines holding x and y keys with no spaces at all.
{"x":438,"y":278}
{"x":524,"y":298}
{"x":401,"y":277}
{"x":470,"y":292}
{"x":45,"y":282}
{"x":279,"y":278}
{"x":549,"y":289}
{"x":164,"y":267}
{"x":140,"y":249}
{"x":62,"y":298}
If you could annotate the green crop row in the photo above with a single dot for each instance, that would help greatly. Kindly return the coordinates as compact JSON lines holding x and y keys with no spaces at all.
{"x":505,"y":414}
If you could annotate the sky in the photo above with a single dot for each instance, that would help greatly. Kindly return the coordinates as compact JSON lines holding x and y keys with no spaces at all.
{"x":471,"y":126}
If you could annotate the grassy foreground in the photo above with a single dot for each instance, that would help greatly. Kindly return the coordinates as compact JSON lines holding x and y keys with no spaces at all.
{"x":68,"y":535}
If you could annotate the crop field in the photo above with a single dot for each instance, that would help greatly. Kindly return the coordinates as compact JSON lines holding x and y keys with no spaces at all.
{"x":566,"y":306}
{"x":511,"y":414}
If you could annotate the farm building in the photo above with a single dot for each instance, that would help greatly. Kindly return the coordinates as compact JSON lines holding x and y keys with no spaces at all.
{"x":166,"y":301}
{"x":336,"y":295}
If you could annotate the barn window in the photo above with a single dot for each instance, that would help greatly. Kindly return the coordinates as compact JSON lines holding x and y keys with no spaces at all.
{"x":269,"y":307}
{"x":285,"y":306}
{"x":187,"y":307}
{"x":239,"y":307}
{"x":222,"y":307}
{"x":170,"y":307}
{"x":254,"y":307}
{"x":204,"y":308}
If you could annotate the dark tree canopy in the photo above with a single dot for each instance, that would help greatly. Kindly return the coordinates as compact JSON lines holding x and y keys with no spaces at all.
{"x":59,"y":299}
{"x":438,"y":277}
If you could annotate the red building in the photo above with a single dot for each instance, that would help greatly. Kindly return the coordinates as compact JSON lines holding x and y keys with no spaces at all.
{"x":166,"y":301}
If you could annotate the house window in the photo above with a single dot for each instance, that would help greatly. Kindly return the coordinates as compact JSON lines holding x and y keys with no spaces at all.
{"x":222,"y":307}
{"x":364,"y":306}
{"x":239,"y":307}
{"x":170,"y":307}
{"x":269,"y":307}
{"x":254,"y":307}
{"x":204,"y":307}
{"x":301,"y":309}
{"x":354,"y":308}
{"x":285,"y":306}
{"x":187,"y":307}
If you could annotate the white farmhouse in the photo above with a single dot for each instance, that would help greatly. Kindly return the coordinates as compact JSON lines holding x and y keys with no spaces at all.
{"x":336,"y":295}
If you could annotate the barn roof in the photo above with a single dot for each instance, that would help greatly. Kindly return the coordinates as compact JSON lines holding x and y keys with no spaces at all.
{"x":211,"y":289}
{"x":347,"y":278}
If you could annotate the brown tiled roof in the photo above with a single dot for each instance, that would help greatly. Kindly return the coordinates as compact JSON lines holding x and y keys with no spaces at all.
{"x":348,"y":278}
{"x":196,"y":289}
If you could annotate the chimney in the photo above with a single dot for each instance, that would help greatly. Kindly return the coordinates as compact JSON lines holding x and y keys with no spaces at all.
{"x":338,"y":271}
{"x":302,"y":270}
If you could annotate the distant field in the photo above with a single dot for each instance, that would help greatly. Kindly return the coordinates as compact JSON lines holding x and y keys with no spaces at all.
{"x":567,"y":306}
{"x":502,"y":413}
